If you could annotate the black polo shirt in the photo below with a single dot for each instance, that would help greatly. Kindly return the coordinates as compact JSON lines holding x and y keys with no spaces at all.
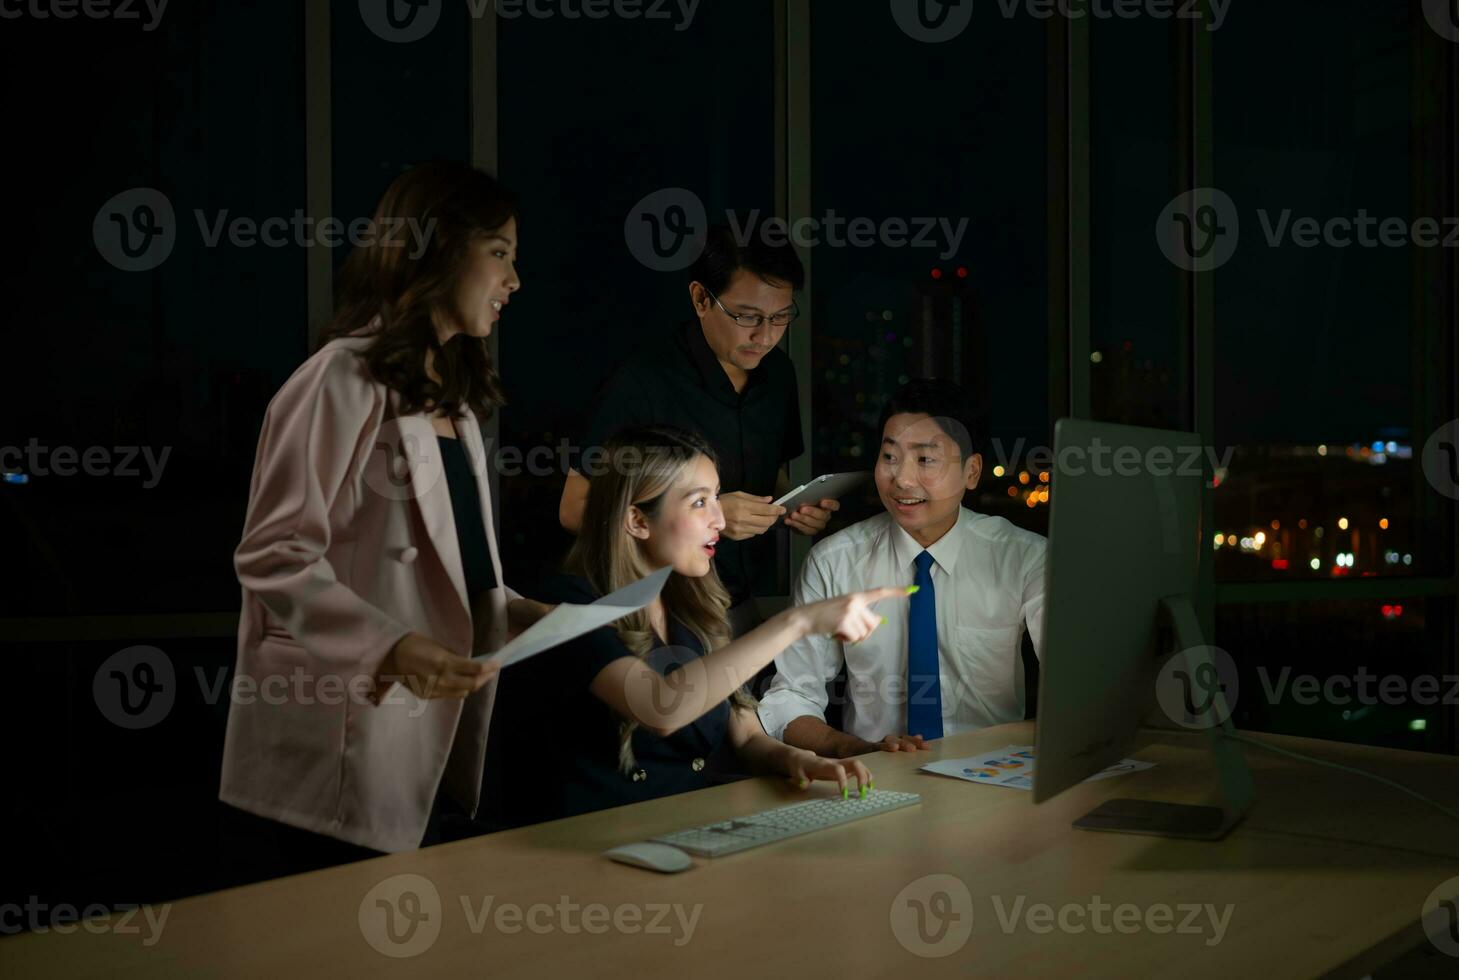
{"x":681,"y":383}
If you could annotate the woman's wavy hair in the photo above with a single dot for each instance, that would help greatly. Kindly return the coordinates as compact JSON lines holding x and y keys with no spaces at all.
{"x":396,"y":291}
{"x":644,"y":463}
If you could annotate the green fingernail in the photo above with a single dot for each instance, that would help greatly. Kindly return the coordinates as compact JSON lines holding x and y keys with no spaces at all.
{"x":883,"y":620}
{"x":871,"y":785}
{"x":863,"y":792}
{"x":913,"y":589}
{"x":845,"y":792}
{"x":804,"y":783}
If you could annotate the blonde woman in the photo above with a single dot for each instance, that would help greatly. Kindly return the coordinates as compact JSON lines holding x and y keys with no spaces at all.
{"x":653,"y":704}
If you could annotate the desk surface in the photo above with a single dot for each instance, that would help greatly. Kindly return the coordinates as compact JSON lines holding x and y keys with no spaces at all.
{"x":1326,"y":876}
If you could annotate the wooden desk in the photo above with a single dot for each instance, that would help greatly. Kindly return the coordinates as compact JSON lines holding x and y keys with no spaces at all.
{"x":1327,"y":876}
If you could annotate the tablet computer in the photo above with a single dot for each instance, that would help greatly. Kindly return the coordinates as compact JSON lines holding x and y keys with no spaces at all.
{"x":829,"y":487}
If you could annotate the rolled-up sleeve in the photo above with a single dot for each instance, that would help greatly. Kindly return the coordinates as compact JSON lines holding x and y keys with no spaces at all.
{"x":312,"y":438}
{"x":806,"y":666}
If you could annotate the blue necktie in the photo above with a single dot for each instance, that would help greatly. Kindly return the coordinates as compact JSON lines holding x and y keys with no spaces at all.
{"x":924,"y":687}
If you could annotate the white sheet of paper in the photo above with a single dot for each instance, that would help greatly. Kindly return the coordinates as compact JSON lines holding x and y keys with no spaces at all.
{"x":569,"y":621}
{"x":1013,"y":766}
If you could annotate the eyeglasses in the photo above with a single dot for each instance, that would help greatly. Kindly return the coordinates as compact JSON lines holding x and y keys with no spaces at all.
{"x":755,"y":320}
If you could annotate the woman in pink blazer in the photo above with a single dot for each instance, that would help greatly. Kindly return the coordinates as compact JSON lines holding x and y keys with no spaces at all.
{"x":368,"y":562}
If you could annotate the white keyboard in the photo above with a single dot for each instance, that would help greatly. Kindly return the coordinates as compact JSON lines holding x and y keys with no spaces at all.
{"x":769,"y":826}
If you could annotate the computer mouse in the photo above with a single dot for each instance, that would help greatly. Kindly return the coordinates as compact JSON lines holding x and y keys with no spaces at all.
{"x":647,"y":854}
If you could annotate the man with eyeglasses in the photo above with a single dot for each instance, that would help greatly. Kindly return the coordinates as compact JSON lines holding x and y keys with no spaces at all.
{"x":722,"y":374}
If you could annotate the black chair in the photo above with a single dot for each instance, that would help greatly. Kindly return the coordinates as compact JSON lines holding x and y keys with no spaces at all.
{"x":1030,"y":677}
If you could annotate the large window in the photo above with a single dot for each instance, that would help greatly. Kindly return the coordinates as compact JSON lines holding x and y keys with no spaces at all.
{"x":1306,"y":331}
{"x":1325,"y":370}
{"x":1139,"y":351}
{"x":984,"y":202}
{"x":147,"y":333}
{"x":162,"y":304}
{"x":938,"y":152}
{"x":147,"y":325}
{"x":647,"y":115}
{"x":1362,"y":670}
{"x":1333,"y":365}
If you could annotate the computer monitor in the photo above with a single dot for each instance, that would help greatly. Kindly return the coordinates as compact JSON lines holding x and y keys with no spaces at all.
{"x":1123,"y":557}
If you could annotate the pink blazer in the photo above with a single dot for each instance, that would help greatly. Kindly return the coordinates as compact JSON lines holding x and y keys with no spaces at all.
{"x":348,"y":545}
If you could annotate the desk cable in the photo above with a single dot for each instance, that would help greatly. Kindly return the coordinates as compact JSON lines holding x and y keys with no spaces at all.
{"x":1247,"y":740}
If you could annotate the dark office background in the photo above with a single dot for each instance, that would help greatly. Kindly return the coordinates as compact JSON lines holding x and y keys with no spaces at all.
{"x":1325,"y":370}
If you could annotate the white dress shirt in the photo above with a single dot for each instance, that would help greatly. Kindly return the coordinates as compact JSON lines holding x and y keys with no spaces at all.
{"x":989,"y":579}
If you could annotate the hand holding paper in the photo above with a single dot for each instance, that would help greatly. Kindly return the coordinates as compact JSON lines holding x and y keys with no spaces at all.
{"x":568,"y":621}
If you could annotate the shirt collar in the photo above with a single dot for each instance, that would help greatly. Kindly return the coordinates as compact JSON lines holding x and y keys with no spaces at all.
{"x":944,"y":550}
{"x":710,"y":370}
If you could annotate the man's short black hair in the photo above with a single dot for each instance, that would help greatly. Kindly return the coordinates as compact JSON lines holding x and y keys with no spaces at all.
{"x":949,"y":404}
{"x":724,"y":255}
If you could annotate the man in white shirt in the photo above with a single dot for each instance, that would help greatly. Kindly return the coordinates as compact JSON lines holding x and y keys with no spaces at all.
{"x":948,"y":661}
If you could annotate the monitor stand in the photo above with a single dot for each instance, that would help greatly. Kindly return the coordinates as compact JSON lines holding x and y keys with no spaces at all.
{"x":1234,"y":790}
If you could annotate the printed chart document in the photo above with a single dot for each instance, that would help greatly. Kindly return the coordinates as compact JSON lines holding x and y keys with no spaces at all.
{"x":1013,"y":766}
{"x":568,"y":621}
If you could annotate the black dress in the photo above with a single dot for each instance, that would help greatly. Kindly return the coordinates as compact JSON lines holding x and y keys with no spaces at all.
{"x":448,"y":819}
{"x":565,"y":756}
{"x":466,"y":510}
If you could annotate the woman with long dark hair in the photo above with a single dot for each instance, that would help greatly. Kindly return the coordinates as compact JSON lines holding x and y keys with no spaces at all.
{"x":368,"y":561}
